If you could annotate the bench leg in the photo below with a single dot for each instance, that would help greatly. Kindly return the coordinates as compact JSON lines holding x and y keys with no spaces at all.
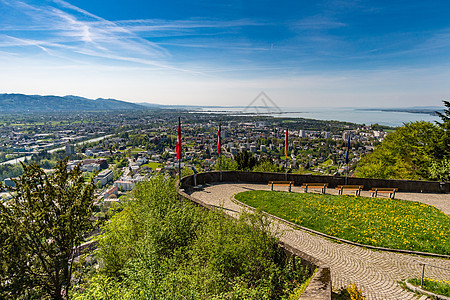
{"x":289,"y":187}
{"x":393,"y":195}
{"x":306,"y":188}
{"x":271,"y":187}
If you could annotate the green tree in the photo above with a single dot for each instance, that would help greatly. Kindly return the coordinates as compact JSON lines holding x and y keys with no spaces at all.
{"x":406,"y":153}
{"x":245,"y":160}
{"x":225,"y":163}
{"x":266,"y":165}
{"x":443,"y":148}
{"x":440,"y":170}
{"x":40,"y":227}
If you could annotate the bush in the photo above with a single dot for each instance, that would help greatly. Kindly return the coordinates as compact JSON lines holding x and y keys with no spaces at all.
{"x":161,"y":247}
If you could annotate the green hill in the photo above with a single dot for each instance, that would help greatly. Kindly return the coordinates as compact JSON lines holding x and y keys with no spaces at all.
{"x":19,"y":103}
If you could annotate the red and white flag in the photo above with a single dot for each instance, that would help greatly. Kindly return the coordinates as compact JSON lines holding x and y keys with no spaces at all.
{"x":218,"y":141}
{"x":179,"y":150}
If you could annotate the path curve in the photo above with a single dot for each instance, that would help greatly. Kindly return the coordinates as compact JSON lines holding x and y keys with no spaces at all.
{"x":377,"y":273}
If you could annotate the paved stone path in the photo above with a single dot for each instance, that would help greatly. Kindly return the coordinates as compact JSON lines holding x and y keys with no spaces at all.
{"x":377,"y":273}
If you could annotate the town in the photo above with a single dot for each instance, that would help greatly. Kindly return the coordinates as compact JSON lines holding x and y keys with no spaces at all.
{"x":121,"y":149}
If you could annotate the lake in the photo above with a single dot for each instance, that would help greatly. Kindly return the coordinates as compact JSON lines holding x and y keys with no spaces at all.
{"x":353,"y":115}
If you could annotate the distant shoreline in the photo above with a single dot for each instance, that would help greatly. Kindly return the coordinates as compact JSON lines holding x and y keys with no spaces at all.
{"x":431,"y":112}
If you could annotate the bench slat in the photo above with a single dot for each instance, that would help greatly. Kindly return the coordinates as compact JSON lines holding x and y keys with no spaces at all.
{"x":315,"y":185}
{"x":281,"y":183}
{"x":390,"y":191}
{"x":356,"y":188}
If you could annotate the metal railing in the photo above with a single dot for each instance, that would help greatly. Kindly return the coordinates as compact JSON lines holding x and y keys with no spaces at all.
{"x":423,"y":270}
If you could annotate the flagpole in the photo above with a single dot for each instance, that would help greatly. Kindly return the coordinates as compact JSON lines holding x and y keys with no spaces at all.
{"x":285,"y":153}
{"x":179,"y":149}
{"x":346,"y":159}
{"x":220,"y":166}
{"x":219,"y":150}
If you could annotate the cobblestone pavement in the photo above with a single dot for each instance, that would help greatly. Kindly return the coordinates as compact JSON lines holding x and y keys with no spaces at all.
{"x":377,"y":273}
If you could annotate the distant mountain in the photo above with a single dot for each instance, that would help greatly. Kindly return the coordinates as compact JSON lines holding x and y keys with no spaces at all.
{"x":19,"y":103}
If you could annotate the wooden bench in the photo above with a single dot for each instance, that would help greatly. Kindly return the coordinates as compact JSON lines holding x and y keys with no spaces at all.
{"x":356,"y":188}
{"x":282,"y":183}
{"x":390,"y":191}
{"x":322,"y":186}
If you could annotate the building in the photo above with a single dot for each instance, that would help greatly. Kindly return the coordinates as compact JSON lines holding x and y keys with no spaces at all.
{"x":104,"y":177}
{"x":70,"y":149}
{"x":9,"y":182}
{"x":302,"y":133}
{"x":326,"y":134}
{"x":93,"y":167}
{"x":124,"y":185}
{"x":112,"y":191}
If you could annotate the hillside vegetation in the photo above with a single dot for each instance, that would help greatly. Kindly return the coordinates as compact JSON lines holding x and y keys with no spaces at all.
{"x":19,"y":103}
{"x":417,"y":151}
{"x":161,"y":247}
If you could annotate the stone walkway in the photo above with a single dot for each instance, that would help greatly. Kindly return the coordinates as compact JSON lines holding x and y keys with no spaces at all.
{"x":377,"y":273}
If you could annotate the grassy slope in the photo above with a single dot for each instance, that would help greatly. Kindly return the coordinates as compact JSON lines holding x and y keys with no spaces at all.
{"x":396,"y":224}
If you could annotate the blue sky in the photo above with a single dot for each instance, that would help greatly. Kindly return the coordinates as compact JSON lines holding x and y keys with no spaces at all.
{"x":202,"y":52}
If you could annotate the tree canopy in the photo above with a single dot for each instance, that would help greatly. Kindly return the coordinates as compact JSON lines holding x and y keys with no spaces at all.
{"x":406,"y":153}
{"x":40,"y":228}
{"x":416,"y":150}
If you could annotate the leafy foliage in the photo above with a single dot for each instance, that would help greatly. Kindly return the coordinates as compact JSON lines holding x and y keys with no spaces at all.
{"x":440,"y":287}
{"x":245,"y":160}
{"x":440,"y":170}
{"x":266,"y":165}
{"x":406,"y":153}
{"x":418,"y":150}
{"x":160,"y":247}
{"x":350,"y":292}
{"x":225,"y":163}
{"x":49,"y":215}
{"x":444,"y":143}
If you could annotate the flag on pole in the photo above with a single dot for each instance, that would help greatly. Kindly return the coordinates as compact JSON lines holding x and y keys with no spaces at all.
{"x":218,"y":141}
{"x":286,"y":144}
{"x":179,"y":150}
{"x":348,"y":147}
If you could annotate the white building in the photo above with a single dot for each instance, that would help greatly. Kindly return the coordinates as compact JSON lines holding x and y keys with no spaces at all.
{"x":124,"y":185}
{"x":301,"y":133}
{"x":104,"y":177}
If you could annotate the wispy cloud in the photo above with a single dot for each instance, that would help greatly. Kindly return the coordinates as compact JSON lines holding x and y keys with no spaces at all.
{"x":318,"y":22}
{"x":68,"y":30}
{"x":62,"y":29}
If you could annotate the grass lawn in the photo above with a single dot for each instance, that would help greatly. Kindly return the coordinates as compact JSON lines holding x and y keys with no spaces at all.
{"x":440,"y":287}
{"x":383,"y":222}
{"x":153,"y":165}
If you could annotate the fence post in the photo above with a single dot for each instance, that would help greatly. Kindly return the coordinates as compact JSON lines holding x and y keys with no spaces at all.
{"x":423,"y":273}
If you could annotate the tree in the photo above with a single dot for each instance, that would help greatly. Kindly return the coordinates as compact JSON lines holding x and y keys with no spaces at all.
{"x":406,"y":153}
{"x":225,"y":163}
{"x":266,"y":165}
{"x":40,"y":227}
{"x":443,"y":148}
{"x":245,"y":160}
